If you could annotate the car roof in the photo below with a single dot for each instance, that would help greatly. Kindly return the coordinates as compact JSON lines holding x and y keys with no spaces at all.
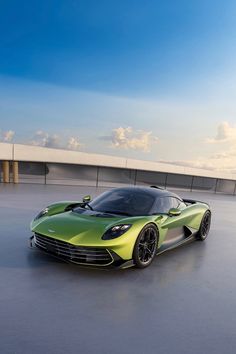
{"x":152,"y":190}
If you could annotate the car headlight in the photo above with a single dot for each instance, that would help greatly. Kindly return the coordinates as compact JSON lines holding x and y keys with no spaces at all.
{"x":116,"y":231}
{"x":41,"y":214}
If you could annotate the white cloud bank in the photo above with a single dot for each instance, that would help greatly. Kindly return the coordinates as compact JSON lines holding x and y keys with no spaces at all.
{"x":45,"y":139}
{"x":225,"y":133}
{"x":222,"y":161}
{"x":225,"y":165}
{"x":129,"y":139}
{"x":42,"y":138}
{"x":73,"y":144}
{"x":7,"y":136}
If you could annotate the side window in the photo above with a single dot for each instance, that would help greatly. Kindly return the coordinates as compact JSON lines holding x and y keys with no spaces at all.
{"x":182,"y":205}
{"x":174,"y":202}
{"x":162,"y":205}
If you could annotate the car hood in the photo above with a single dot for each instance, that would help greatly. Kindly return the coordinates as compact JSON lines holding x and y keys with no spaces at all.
{"x":77,"y":228}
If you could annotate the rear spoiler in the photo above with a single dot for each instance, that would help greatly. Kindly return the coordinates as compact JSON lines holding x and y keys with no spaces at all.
{"x":191,"y":201}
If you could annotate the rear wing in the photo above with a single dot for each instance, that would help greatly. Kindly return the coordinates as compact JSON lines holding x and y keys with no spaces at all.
{"x":191,"y":201}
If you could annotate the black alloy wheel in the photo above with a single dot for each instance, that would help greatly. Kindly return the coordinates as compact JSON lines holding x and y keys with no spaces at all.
{"x":205,"y":226}
{"x":145,"y":247}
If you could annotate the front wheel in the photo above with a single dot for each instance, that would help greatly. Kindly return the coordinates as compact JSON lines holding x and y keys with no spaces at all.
{"x":205,"y":226}
{"x":145,"y":247}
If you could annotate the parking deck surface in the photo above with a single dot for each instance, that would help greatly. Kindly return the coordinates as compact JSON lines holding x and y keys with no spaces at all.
{"x":185,"y":302}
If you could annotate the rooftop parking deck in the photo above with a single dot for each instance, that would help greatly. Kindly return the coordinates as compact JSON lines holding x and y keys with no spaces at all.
{"x":183,"y":303}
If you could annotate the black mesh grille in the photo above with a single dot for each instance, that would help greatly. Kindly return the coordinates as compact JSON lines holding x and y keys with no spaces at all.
{"x":76,"y":254}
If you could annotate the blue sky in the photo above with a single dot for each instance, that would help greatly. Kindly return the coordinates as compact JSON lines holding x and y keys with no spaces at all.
{"x":124,"y":47}
{"x":134,"y":78}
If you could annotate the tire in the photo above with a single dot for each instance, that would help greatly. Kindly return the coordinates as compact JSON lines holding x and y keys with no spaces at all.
{"x":204,"y":227}
{"x":145,"y":247}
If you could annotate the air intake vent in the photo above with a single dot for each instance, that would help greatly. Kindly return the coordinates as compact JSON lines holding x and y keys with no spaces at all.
{"x":75,"y":254}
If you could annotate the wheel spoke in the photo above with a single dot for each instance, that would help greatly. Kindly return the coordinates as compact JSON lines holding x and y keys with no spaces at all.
{"x":149,"y":251}
{"x":206,"y":225}
{"x":151,"y":242}
{"x":142,"y":254}
{"x":147,"y":245}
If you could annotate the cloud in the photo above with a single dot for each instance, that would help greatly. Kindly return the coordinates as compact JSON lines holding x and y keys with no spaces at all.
{"x":42,"y":138}
{"x":221,"y":162}
{"x":225,"y":154}
{"x":7,"y":136}
{"x":199,"y":164}
{"x":127,"y":138}
{"x":73,"y":143}
{"x":45,"y":139}
{"x":225,"y":133}
{"x":224,"y":161}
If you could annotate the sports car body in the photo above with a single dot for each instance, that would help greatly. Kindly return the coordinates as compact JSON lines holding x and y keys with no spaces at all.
{"x":122,"y":227}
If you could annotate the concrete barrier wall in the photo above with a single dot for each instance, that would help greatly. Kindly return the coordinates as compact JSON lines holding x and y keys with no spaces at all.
{"x":6,"y":151}
{"x":97,"y":176}
{"x":54,"y":166}
{"x":19,"y":152}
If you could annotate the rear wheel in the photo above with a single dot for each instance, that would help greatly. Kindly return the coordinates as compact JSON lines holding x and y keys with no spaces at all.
{"x":145,"y":247}
{"x":204,"y":227}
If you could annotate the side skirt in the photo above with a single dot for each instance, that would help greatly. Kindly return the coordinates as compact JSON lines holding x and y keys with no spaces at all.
{"x":189,"y":236}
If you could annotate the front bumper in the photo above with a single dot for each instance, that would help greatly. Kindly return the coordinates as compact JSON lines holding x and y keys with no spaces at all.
{"x":85,"y":256}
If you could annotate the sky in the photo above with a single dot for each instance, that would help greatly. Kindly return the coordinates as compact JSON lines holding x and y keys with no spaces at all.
{"x":152,"y":80}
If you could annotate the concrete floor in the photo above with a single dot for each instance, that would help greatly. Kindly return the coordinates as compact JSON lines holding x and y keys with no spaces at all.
{"x":185,"y":302}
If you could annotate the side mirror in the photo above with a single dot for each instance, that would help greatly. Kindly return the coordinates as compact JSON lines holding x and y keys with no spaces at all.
{"x":174,"y":212}
{"x":87,"y":199}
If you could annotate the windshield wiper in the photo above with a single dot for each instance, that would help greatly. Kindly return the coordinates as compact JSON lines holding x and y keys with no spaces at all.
{"x":117,"y":212}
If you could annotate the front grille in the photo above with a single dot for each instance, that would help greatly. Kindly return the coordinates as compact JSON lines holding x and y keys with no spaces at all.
{"x":76,"y":254}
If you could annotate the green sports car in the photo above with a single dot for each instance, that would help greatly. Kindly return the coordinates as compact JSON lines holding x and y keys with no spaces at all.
{"x":122,"y":227}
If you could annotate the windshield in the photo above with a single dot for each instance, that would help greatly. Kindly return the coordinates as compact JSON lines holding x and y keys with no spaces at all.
{"x":124,"y":202}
